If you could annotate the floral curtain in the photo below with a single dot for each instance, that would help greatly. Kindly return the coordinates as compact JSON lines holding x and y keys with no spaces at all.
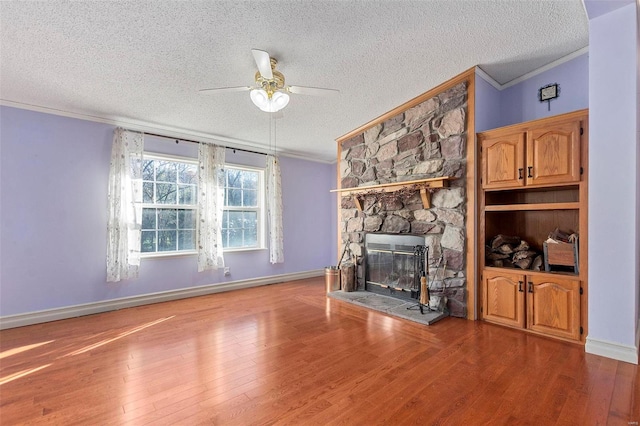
{"x":125,"y":211}
{"x":274,"y":210}
{"x":210,"y":206}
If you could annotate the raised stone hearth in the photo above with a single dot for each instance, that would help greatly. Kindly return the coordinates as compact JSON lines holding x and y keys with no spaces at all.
{"x":388,"y":305}
{"x":425,"y":141}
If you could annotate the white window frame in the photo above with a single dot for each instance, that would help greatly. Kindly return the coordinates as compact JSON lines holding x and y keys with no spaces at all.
{"x":175,"y":158}
{"x":260,"y":209}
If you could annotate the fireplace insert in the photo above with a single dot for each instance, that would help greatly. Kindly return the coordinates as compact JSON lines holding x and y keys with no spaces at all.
{"x":390,"y":264}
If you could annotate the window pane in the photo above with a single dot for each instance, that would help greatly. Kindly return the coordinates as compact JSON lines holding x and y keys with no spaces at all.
{"x":148,"y":241}
{"x":234,"y":178}
{"x":166,"y":240}
{"x":166,"y":181}
{"x":249,"y":179}
{"x":234,"y":197}
{"x":250,"y":198}
{"x":147,"y":192}
{"x":187,"y":219}
{"x":148,"y":218}
{"x":225,"y":237}
{"x":166,"y":171}
{"x":250,"y":220}
{"x":186,"y":240}
{"x":235,"y":238}
{"x":147,"y":170}
{"x":225,"y":219}
{"x":187,"y":194}
{"x":235,"y":220}
{"x":240,"y":229}
{"x":167,"y":218}
{"x":166,"y":193}
{"x":187,"y":173}
{"x":251,"y":237}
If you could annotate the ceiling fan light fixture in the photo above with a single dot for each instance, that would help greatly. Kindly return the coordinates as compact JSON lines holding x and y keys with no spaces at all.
{"x":279,"y":100}
{"x":276,"y":102}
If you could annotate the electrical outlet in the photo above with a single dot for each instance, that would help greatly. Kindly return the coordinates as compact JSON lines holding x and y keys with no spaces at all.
{"x":227,"y":271}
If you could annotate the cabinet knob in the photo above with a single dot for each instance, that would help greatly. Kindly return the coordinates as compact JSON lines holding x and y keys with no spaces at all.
{"x":520,"y":286}
{"x":520,"y":173}
{"x":530,"y":287}
{"x":529,"y":169}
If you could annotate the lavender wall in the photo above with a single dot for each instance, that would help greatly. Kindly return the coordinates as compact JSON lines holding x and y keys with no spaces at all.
{"x":488,"y":100}
{"x":53,"y":195}
{"x":520,"y":102}
{"x":613,"y":153}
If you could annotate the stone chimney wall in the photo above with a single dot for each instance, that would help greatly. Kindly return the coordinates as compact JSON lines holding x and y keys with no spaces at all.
{"x":425,"y":141}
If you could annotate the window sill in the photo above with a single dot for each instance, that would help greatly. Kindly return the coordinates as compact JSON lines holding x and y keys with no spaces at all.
{"x":195,"y":253}
{"x":242,"y":249}
{"x":161,"y":255}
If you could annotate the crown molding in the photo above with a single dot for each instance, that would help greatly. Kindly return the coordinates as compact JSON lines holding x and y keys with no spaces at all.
{"x":486,"y":77}
{"x":168,"y":131}
{"x":547,"y":67}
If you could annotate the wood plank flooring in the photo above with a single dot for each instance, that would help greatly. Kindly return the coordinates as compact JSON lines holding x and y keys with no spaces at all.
{"x":285,"y":354}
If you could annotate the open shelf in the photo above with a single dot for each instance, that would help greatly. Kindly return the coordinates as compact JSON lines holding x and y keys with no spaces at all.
{"x":537,"y":206}
{"x":531,"y":225}
{"x":555,"y":196}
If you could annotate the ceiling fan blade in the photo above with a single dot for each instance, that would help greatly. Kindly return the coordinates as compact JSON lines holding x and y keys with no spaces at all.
{"x":263,"y":61}
{"x":313,"y":91}
{"x":225,"y":89}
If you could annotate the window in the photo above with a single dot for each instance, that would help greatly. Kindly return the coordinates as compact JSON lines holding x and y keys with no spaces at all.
{"x":169,"y":210}
{"x":243,"y":208}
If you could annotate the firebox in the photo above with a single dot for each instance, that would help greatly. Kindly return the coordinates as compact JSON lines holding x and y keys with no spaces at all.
{"x":391,"y":264}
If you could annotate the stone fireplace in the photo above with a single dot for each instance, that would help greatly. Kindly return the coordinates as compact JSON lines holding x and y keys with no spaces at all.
{"x":427,"y":140}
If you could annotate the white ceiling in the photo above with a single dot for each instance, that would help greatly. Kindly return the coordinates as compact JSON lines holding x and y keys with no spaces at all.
{"x":142,"y":63}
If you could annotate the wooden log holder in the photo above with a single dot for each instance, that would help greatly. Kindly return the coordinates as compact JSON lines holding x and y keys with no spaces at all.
{"x":561,"y":254}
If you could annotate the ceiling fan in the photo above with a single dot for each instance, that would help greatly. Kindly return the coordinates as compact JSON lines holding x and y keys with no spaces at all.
{"x":270,"y":93}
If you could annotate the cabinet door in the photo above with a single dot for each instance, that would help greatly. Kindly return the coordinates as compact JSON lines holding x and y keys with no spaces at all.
{"x":553,"y":306}
{"x":503,"y":161}
{"x":553,"y":154}
{"x":503,"y":298}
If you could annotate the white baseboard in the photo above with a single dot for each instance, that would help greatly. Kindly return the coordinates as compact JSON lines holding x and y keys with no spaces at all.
{"x":612,"y":350}
{"x":38,"y":317}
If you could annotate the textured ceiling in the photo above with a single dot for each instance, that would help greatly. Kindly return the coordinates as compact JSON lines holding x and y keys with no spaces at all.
{"x":144,"y":62}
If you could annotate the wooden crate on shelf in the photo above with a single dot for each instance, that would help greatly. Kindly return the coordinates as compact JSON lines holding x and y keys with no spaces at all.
{"x":560,"y":254}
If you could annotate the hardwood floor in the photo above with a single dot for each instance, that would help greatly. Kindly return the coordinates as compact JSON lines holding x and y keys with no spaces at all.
{"x":285,"y":354}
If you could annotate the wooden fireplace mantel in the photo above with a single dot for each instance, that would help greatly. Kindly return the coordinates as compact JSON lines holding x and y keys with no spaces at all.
{"x":423,"y":185}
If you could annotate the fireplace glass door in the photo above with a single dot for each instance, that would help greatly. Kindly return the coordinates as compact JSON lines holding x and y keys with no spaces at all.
{"x":390,"y":264}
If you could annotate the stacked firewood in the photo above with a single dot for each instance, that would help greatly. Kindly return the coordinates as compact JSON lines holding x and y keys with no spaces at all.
{"x":512,"y":252}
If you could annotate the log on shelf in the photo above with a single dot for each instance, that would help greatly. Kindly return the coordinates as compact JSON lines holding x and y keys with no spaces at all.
{"x":537,"y":263}
{"x":501,"y":239}
{"x":506,"y":251}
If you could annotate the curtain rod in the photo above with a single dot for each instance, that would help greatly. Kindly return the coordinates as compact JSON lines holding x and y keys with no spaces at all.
{"x":192,"y":141}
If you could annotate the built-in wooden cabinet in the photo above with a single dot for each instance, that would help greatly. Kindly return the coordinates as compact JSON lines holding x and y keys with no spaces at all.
{"x":503,"y":161}
{"x":503,"y":297}
{"x":540,"y":156}
{"x":553,"y":305}
{"x":544,"y":303}
{"x":534,"y":180}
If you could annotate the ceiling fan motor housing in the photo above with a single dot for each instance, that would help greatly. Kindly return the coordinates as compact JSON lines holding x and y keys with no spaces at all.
{"x":271,"y":85}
